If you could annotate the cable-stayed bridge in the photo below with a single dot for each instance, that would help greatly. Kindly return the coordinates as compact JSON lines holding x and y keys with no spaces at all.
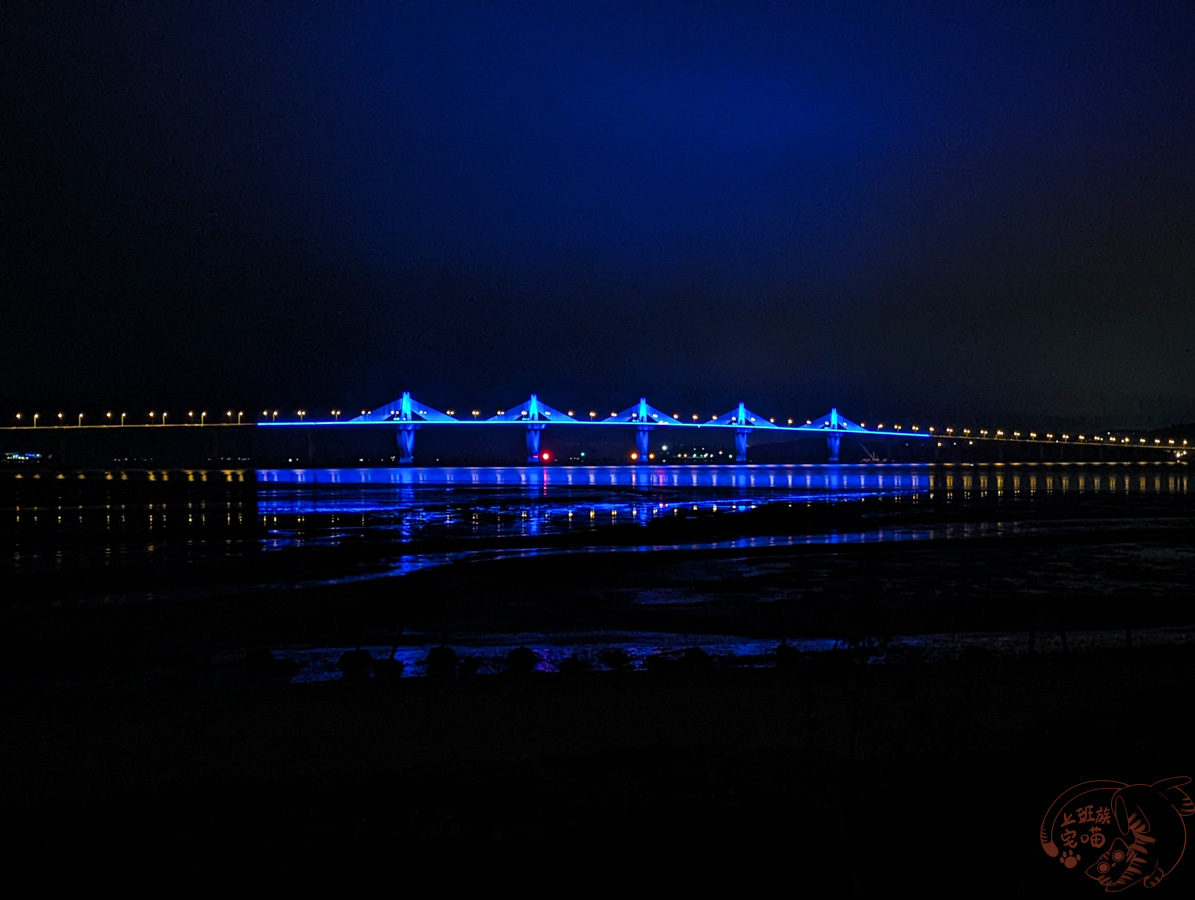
{"x":406,"y":416}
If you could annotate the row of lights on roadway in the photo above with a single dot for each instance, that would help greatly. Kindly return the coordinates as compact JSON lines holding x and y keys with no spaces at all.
{"x":336,"y":413}
{"x":153,"y":416}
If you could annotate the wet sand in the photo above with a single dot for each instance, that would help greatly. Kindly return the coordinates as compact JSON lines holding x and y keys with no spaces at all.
{"x":839,"y":778}
{"x":132,"y":749}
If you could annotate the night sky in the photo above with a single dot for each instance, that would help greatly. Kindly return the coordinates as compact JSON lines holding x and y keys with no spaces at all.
{"x":912,"y":211}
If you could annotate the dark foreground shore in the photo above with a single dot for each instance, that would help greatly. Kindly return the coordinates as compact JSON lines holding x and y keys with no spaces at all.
{"x":846,"y":781}
{"x":132,"y":755}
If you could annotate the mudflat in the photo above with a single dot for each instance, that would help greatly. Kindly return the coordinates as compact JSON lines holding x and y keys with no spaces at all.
{"x":138,"y":744}
{"x":861,"y":767}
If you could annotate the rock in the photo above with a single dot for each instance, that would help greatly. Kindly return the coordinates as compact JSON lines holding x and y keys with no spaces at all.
{"x":615,"y":658}
{"x":388,"y":666}
{"x":575,"y":664}
{"x":355,"y":662}
{"x":695,"y":657}
{"x":264,"y":662}
{"x":522,"y":660}
{"x":787,"y":656}
{"x":441,"y":660}
{"x":972,"y":655}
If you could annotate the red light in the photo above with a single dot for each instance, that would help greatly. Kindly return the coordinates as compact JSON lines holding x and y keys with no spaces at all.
{"x":545,"y":456}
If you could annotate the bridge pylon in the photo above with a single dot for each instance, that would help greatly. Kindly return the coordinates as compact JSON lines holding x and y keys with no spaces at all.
{"x":744,"y":422}
{"x":645,"y":418}
{"x":409,"y":414}
{"x":536,"y":414}
{"x":835,"y":425}
{"x":406,"y":443}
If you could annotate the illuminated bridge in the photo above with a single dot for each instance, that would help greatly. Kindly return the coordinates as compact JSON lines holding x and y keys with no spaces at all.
{"x":407,"y":415}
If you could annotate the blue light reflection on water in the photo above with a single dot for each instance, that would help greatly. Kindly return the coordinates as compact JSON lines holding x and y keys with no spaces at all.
{"x":414,"y":562}
{"x":411,"y":505}
{"x":792,"y":477}
{"x":414,"y":506}
{"x":530,"y":501}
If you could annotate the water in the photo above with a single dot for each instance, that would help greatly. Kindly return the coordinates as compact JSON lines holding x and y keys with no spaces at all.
{"x":138,"y":536}
{"x":416,"y":517}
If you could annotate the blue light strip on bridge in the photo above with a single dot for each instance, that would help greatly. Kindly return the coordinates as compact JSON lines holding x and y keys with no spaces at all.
{"x":410,"y":412}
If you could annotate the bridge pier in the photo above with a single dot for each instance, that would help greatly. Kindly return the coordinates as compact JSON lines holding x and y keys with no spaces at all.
{"x":534,"y":431}
{"x":740,"y":444}
{"x":833,"y":443}
{"x":642,"y":442}
{"x":406,"y":444}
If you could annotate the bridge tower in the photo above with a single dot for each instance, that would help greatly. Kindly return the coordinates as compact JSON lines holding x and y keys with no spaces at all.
{"x":535,"y":414}
{"x":744,"y":422}
{"x":835,"y":425}
{"x":406,"y":431}
{"x":643,"y":431}
{"x":409,"y":414}
{"x":645,"y":418}
{"x":535,"y":429}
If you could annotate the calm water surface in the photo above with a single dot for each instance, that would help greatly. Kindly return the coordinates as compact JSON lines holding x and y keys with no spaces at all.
{"x":80,"y":521}
{"x":153,"y":536}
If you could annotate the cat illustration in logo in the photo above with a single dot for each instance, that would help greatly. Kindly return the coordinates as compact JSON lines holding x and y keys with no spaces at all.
{"x":1150,"y":817}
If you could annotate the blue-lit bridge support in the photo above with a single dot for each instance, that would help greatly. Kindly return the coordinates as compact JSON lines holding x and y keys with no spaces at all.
{"x":833,"y":444}
{"x":740,"y":444}
{"x":534,"y":431}
{"x":643,"y":442}
{"x":406,"y":443}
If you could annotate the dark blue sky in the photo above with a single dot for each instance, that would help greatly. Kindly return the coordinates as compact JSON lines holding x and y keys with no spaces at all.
{"x":907,"y":210}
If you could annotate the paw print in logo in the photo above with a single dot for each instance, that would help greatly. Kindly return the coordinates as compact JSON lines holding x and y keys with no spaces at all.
{"x":1069,"y":858}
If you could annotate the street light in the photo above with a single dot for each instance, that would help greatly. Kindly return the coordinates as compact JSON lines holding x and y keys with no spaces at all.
{"x":109,"y":418}
{"x":122,"y":415}
{"x":336,"y":414}
{"x":302,"y":412}
{"x":163,"y":417}
{"x":35,"y":415}
{"x":80,"y":420}
{"x":60,"y":418}
{"x":202,"y":416}
{"x":240,"y":412}
{"x":18,"y":418}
